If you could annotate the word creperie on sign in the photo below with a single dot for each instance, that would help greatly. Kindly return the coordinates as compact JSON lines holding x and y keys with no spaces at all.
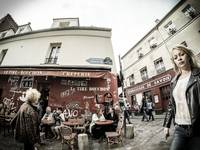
{"x":58,"y":73}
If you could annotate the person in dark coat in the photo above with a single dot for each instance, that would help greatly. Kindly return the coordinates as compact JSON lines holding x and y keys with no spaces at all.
{"x":112,"y":115}
{"x":26,"y":121}
{"x":144,"y":109}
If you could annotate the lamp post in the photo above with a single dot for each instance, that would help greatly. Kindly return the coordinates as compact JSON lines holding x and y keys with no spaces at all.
{"x":123,"y":98}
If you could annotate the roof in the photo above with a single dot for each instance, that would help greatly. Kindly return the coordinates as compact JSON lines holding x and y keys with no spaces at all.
{"x":7,"y":22}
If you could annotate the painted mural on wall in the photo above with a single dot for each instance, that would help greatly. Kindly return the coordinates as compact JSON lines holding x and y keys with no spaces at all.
{"x":17,"y":85}
{"x":82,"y":90}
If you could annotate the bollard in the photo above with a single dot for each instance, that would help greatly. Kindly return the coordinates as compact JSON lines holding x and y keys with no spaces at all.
{"x":129,"y":131}
{"x":83,"y":141}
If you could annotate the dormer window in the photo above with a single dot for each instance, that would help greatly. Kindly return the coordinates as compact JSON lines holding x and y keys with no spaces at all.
{"x":190,"y":12}
{"x":64,"y":24}
{"x":3,"y":34}
{"x":170,"y":28}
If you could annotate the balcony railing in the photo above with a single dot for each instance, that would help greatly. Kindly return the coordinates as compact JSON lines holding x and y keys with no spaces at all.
{"x":51,"y":60}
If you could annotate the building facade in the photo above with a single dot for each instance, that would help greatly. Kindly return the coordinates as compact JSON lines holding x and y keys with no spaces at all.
{"x":147,"y":66}
{"x":69,"y":64}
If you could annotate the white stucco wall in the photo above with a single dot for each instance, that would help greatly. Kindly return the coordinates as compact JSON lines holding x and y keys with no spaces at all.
{"x":76,"y":47}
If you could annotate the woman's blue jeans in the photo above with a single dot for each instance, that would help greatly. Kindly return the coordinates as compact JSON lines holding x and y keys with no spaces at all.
{"x":184,"y":140}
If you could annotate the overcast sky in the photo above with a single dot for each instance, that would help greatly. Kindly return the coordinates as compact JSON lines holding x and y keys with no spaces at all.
{"x":130,"y":20}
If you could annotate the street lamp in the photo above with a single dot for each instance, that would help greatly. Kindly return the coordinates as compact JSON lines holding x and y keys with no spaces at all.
{"x":123,"y":98}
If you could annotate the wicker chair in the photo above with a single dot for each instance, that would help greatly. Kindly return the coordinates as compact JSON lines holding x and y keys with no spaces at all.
{"x":68,"y":136}
{"x":83,"y":126}
{"x":115,"y":137}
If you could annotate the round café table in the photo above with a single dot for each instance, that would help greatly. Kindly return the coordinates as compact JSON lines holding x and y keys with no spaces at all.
{"x":105,"y":126}
{"x":104,"y":122}
{"x":72,"y":123}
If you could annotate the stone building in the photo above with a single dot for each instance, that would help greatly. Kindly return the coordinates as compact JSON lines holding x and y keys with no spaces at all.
{"x":147,"y":67}
{"x":71,"y":65}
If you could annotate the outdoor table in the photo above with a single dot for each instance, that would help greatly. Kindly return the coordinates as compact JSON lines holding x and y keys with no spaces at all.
{"x":104,"y":122}
{"x":105,"y":126}
{"x":72,"y":123}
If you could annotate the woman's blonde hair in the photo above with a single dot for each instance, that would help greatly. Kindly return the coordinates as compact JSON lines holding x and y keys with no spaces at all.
{"x":189,"y":53}
{"x":32,"y":95}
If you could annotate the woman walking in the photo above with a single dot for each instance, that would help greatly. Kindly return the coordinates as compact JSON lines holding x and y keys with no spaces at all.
{"x":26,"y":122}
{"x":184,"y":106}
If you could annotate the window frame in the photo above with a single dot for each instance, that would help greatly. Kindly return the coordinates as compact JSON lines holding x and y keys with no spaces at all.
{"x":54,"y":50}
{"x":2,"y":55}
{"x":161,"y":65}
{"x":144,"y":76}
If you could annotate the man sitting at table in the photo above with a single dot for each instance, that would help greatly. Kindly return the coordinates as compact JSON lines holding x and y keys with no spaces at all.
{"x":47,"y":121}
{"x":112,"y":115}
{"x":94,"y":129}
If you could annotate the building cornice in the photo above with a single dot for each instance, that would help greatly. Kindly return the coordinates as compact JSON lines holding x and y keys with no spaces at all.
{"x":57,"y":29}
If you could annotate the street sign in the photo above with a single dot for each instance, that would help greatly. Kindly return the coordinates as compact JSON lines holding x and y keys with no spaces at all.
{"x":107,"y":61}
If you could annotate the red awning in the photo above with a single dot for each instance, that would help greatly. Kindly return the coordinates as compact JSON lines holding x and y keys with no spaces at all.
{"x":58,"y":73}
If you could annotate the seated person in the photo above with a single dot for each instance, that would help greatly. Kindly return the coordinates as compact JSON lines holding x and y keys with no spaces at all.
{"x":2,"y":109}
{"x":94,"y":129}
{"x":112,"y":115}
{"x":59,"y":119}
{"x":47,"y":120}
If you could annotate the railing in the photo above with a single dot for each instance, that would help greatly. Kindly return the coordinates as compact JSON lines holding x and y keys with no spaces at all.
{"x":51,"y":60}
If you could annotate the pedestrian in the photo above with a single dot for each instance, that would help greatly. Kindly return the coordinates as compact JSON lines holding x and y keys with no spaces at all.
{"x":184,"y":105}
{"x":144,"y":109}
{"x":150,"y":106}
{"x":26,"y":121}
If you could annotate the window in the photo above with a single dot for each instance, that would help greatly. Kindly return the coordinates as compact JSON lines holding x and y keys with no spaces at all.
{"x":152,"y":43}
{"x":131,"y":79}
{"x":26,"y":82}
{"x":159,"y":65}
{"x":3,"y":34}
{"x":53,"y":54}
{"x":2,"y":55}
{"x":170,"y":28}
{"x":140,"y":55}
{"x":143,"y":73}
{"x":21,"y":29}
{"x":184,"y":43}
{"x":64,"y":24}
{"x":189,"y":11}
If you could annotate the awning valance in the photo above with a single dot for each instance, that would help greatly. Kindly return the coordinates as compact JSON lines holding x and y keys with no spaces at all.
{"x":58,"y":73}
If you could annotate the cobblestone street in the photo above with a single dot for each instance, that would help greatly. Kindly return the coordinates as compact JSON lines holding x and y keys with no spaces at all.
{"x":148,"y":136}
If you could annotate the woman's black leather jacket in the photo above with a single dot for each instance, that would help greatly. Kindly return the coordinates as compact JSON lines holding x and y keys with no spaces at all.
{"x":192,"y":97}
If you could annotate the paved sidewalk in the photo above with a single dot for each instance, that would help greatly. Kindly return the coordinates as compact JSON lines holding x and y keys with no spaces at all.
{"x":148,"y":136}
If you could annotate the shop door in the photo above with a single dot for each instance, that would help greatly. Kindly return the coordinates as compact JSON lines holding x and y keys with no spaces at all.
{"x":165,"y":96}
{"x":44,"y":90}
